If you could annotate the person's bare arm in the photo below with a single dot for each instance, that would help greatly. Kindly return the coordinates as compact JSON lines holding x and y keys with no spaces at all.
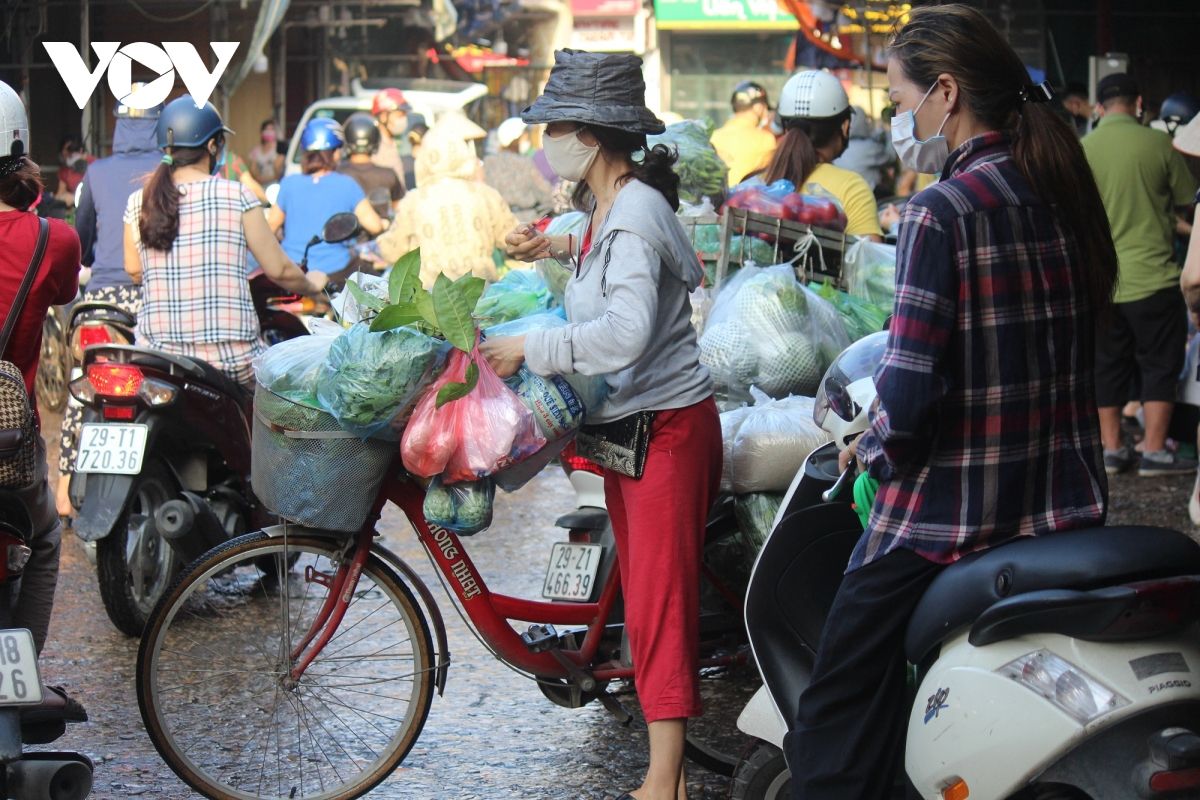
{"x":368,"y":218}
{"x":275,"y":218}
{"x":133,"y":259}
{"x":274,"y":262}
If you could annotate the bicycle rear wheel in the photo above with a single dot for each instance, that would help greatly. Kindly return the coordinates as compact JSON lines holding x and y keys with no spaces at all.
{"x":213,"y":685}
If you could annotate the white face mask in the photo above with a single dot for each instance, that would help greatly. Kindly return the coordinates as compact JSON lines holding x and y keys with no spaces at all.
{"x":569,"y":157}
{"x":923,"y":155}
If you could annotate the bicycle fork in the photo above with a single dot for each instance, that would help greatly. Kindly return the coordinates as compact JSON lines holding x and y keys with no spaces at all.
{"x":341,"y":585}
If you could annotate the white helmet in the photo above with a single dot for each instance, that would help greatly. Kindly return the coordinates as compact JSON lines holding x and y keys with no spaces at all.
{"x":509,"y":131}
{"x":848,"y":389}
{"x":14,"y":123}
{"x":812,"y":94}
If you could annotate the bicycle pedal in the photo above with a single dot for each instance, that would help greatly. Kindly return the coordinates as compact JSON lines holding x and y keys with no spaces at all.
{"x":615,"y":707}
{"x":540,"y":638}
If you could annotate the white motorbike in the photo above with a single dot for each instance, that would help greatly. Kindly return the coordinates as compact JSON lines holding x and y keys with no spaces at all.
{"x":1062,"y":667}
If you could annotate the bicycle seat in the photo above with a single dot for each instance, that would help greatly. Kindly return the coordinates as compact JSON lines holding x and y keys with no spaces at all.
{"x":1089,"y":558}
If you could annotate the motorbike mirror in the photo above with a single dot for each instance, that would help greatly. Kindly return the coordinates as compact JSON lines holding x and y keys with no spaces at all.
{"x":340,"y":227}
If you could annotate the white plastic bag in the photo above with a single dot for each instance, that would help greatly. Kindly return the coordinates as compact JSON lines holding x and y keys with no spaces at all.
{"x":772,"y":443}
{"x":869,"y":269}
{"x":348,"y":309}
{"x":731,"y":421}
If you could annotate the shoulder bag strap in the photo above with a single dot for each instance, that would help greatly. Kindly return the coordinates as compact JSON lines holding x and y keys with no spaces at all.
{"x":19,"y":301}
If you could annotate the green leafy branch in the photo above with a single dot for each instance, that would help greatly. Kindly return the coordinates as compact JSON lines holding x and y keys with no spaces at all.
{"x":444,"y":312}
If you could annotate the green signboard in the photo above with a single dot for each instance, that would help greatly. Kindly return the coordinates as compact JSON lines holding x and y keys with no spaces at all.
{"x":722,"y":15}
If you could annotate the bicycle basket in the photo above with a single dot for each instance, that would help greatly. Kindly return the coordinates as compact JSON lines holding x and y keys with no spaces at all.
{"x":307,"y":469}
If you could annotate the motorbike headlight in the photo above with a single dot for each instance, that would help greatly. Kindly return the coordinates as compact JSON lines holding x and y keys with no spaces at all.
{"x":1065,"y":685}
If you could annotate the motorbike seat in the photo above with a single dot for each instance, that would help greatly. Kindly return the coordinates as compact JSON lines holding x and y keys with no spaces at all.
{"x":1084,"y":559}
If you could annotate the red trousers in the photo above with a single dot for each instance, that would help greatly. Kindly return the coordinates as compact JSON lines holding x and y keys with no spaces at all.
{"x":658,"y":521}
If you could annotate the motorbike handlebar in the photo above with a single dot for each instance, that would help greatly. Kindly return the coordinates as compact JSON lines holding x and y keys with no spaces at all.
{"x":831,"y":494}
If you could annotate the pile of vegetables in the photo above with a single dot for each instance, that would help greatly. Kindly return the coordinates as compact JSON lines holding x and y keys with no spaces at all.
{"x":701,"y":171}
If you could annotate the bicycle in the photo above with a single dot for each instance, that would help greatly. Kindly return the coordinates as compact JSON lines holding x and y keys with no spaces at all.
{"x":320,"y":676}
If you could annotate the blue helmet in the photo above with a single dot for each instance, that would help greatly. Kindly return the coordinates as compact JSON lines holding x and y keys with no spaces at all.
{"x":181,"y":124}
{"x":322,"y":133}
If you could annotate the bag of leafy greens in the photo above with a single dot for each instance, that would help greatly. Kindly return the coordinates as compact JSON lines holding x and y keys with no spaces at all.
{"x":518,"y":294}
{"x":370,"y":378}
{"x":290,"y":369}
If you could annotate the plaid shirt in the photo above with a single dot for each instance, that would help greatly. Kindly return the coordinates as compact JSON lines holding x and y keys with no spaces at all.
{"x":986,"y":425}
{"x":196,"y":297}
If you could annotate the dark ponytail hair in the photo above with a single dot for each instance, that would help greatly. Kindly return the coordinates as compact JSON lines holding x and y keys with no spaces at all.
{"x":159,"y":221}
{"x":654,"y":167}
{"x":21,"y":188}
{"x":960,"y":41}
{"x":796,"y":156}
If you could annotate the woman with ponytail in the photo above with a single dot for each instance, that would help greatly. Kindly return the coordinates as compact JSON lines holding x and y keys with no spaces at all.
{"x":630,"y":320}
{"x":815,"y":113}
{"x":986,"y":427}
{"x":187,"y":238}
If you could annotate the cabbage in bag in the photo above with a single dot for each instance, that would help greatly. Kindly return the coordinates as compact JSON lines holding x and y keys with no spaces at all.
{"x":465,"y":508}
{"x":520,"y":293}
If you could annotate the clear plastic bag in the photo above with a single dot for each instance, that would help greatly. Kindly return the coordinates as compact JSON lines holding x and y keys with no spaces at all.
{"x":772,"y":443}
{"x":348,"y":309}
{"x":465,"y":508}
{"x":518,"y":294}
{"x":292,"y":369}
{"x":701,"y":171}
{"x":860,"y":317}
{"x":755,"y":515}
{"x":553,"y":273}
{"x":869,"y":269}
{"x":768,"y":330}
{"x":471,"y":437}
{"x":370,"y":378}
{"x":590,"y":390}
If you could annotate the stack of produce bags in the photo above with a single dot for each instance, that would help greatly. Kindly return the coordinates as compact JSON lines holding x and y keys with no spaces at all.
{"x":701,"y":171}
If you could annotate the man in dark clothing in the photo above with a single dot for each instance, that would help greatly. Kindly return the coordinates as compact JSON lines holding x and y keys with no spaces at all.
{"x":381,"y":185}
{"x":99,"y":221}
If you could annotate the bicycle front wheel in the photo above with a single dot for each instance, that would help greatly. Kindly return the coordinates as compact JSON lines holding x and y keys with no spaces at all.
{"x":213,"y":674}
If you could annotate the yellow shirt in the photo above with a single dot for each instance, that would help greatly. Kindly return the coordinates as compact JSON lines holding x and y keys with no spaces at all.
{"x":743,"y":146}
{"x":855,"y":196}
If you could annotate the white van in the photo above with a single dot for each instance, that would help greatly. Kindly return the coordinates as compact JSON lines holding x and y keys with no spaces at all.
{"x":429,"y":97}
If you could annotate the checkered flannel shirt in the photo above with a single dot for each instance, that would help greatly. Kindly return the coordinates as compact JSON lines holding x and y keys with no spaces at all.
{"x":986,"y":426}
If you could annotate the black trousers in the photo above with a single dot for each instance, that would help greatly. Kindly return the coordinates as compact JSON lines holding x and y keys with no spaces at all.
{"x":848,"y":733}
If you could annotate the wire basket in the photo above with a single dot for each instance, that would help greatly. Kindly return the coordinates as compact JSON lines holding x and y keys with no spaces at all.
{"x":307,"y":469}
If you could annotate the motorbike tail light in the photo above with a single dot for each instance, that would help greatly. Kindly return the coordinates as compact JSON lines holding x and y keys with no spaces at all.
{"x":1065,"y":685}
{"x":1159,"y":605}
{"x":155,"y":392}
{"x":573,"y":462}
{"x":115,"y":380}
{"x":956,"y":791}
{"x":90,"y":334}
{"x":82,"y":390}
{"x":1177,"y":780}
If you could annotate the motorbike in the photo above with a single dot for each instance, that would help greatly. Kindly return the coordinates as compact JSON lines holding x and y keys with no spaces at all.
{"x":163,"y":467}
{"x":1048,"y":667}
{"x":24,"y":774}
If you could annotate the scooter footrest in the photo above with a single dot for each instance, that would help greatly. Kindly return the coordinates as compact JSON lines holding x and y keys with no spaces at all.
{"x":43,"y":732}
{"x":541,"y":638}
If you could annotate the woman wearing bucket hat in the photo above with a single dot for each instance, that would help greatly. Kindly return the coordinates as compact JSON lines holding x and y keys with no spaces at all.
{"x":627,"y":302}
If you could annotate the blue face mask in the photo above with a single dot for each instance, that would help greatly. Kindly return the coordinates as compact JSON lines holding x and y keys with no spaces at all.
{"x":922,"y":155}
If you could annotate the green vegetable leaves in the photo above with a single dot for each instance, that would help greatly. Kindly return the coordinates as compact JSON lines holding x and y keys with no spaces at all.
{"x":404,"y":282}
{"x":456,"y":391}
{"x":445,"y":312}
{"x":453,"y":302}
{"x":363,"y":298}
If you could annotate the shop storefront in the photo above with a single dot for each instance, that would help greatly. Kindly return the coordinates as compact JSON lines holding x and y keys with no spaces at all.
{"x":708,"y":46}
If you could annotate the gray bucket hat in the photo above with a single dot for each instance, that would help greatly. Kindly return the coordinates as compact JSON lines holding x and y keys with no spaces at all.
{"x":595,"y":89}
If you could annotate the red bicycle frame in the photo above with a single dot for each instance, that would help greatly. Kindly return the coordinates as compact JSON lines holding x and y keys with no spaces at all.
{"x":489,"y":612}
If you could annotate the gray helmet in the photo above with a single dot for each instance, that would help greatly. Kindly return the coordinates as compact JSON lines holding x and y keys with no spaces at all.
{"x":14,"y":123}
{"x":181,"y":124}
{"x":362,"y":133}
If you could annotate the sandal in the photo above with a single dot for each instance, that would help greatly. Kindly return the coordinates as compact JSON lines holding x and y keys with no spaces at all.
{"x":56,"y":705}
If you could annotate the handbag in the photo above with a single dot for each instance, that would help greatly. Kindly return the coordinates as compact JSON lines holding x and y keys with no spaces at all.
{"x":18,"y":427}
{"x":621,"y":445}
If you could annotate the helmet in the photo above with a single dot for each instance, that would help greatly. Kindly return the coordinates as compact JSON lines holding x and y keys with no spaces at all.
{"x":1178,"y":109}
{"x":812,"y":94}
{"x":14,"y":123}
{"x":181,"y":124}
{"x":848,"y":389}
{"x":322,"y":133}
{"x":362,"y":133}
{"x":746,"y":94}
{"x":388,"y":100}
{"x":122,"y":111}
{"x":509,"y":131}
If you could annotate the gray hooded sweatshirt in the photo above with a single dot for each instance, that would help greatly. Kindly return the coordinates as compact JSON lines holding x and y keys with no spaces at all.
{"x":629,"y":311}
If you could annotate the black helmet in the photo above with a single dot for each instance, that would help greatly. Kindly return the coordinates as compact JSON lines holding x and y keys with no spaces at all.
{"x":182,"y":124}
{"x":746,"y":94}
{"x":362,"y":133}
{"x":1178,"y":109}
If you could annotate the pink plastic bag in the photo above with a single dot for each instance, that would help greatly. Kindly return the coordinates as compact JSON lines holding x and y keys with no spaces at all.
{"x":474,"y":436}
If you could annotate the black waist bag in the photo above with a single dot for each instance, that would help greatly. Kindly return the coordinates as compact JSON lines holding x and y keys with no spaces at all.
{"x":621,"y":445}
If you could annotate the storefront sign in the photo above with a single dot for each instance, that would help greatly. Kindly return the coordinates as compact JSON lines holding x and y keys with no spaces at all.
{"x":722,"y":15}
{"x":608,"y":34}
{"x":605,"y":8}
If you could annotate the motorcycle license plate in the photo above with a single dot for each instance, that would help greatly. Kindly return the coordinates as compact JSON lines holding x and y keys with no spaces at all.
{"x":571,"y":574}
{"x":114,"y":449}
{"x":20,"y":683}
